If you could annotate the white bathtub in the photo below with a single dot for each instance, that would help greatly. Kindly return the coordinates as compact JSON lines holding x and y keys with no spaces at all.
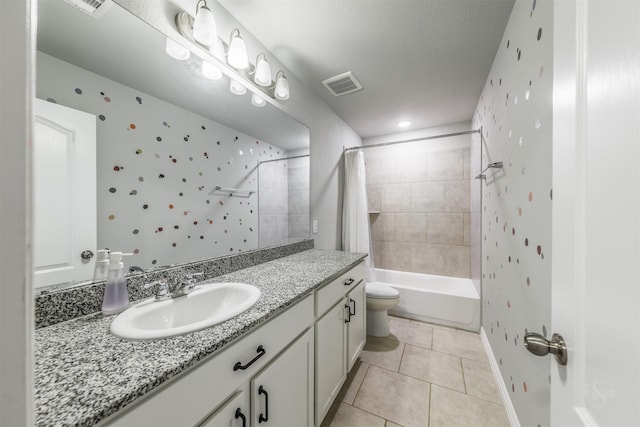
{"x":448,"y":301}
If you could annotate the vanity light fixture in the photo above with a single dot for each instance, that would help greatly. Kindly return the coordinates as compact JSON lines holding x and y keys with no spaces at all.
{"x":236,"y":87}
{"x":210,"y":71}
{"x":237,"y":55}
{"x":281,"y":91}
{"x":230,"y":60}
{"x":257,"y":101}
{"x":176,"y":50}
{"x":204,"y":26}
{"x":262,"y":75}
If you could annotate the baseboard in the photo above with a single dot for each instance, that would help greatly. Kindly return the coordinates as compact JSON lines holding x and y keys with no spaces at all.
{"x":504,"y":392}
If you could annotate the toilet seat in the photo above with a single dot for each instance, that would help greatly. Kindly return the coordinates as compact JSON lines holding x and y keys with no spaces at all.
{"x":379,"y":290}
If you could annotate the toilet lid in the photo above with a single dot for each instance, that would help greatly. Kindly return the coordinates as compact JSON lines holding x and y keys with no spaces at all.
{"x":380,"y":290}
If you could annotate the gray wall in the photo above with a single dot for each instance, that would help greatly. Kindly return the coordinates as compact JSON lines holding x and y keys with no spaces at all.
{"x":515,"y":112}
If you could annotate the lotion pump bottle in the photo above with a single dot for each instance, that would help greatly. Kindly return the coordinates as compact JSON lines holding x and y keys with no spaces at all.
{"x":102,"y":265}
{"x":116,"y":296}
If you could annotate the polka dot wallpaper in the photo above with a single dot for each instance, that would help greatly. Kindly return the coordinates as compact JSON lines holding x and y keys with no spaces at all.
{"x":157,"y":166}
{"x":515,"y":113}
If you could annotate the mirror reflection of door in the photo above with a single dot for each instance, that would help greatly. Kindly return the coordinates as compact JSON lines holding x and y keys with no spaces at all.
{"x":64,"y":193}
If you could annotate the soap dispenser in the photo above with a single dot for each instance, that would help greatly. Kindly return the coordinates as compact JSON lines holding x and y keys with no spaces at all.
{"x":116,"y":296}
{"x":102,"y":265}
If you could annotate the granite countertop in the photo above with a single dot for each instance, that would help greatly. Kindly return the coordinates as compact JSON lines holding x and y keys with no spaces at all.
{"x":83,"y":374}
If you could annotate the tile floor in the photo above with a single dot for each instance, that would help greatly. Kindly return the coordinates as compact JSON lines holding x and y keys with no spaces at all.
{"x":420,"y":375}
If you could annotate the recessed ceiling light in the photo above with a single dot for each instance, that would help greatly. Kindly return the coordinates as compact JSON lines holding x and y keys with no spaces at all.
{"x":404,"y":124}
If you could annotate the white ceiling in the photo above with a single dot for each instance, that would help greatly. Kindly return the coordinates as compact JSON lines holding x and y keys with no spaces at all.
{"x":420,"y":60}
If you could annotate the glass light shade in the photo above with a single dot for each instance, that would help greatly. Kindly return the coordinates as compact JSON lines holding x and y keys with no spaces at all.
{"x":210,"y":71}
{"x":257,"y":100}
{"x":282,"y":88}
{"x":236,"y":88}
{"x":217,"y":49}
{"x":176,"y":50}
{"x":204,"y":26}
{"x":237,"y":57}
{"x":262,"y":76}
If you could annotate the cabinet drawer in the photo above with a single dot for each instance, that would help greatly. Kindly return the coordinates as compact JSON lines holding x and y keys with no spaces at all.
{"x":192,"y":395}
{"x":327,"y":296}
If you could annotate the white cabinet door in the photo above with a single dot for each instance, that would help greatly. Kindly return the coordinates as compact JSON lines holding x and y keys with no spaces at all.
{"x":233,"y":413}
{"x":64,"y":193}
{"x":331,"y":370}
{"x":356,"y":325}
{"x":282,"y":394}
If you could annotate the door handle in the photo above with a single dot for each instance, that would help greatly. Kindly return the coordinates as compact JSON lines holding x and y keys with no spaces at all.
{"x":348,"y":314}
{"x":352,"y":313}
{"x":540,"y":346}
{"x":261,"y":352}
{"x":264,"y":418}
{"x":239,"y":414}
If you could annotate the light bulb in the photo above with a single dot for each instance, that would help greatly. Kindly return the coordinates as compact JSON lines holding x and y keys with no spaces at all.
{"x":262,"y":76}
{"x":404,"y":124}
{"x":257,"y":100}
{"x":236,"y":88}
{"x":176,"y":50}
{"x":204,"y":26}
{"x":210,"y":71}
{"x":282,"y":87}
{"x":237,"y":57}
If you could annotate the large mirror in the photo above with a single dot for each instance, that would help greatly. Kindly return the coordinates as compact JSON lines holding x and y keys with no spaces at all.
{"x":177,"y":155}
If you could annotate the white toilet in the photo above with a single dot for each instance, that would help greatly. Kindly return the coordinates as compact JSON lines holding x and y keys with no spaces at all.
{"x":380,"y":298}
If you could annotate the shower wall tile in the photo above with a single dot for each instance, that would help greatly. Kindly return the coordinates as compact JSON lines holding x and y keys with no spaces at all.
{"x":466,"y":171}
{"x":428,"y":197}
{"x":515,"y":112}
{"x":445,"y":165}
{"x":396,"y":256}
{"x":456,"y":261}
{"x":467,"y":229}
{"x":411,"y":168}
{"x":299,"y":226}
{"x":411,"y":227}
{"x":374,"y":197}
{"x":396,"y":198}
{"x":383,"y":226}
{"x":422,"y":194}
{"x":380,"y":170}
{"x":299,"y":201}
{"x":445,"y":228}
{"x":457,"y":196}
{"x":427,"y":258}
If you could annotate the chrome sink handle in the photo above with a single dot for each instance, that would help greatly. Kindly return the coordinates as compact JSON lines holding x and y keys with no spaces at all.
{"x":162,"y":289}
{"x":186,"y":285}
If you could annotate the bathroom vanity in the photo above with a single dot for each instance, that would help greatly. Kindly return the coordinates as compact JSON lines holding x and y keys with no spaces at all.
{"x":280,"y":363}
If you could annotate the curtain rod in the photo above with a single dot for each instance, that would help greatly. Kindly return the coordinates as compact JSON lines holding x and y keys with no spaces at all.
{"x":284,"y":158}
{"x":426,"y":138}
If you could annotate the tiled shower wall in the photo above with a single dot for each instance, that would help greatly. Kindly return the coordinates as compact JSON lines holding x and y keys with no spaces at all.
{"x":515,"y":112}
{"x":157,"y":165}
{"x":299,"y":180}
{"x":284,"y":201}
{"x":419,"y":203}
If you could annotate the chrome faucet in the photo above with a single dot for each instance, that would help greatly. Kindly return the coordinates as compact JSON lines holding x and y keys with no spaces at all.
{"x":179,"y":288}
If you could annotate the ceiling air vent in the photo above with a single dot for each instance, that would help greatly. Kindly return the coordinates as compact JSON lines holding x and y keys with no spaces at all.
{"x":93,"y":8}
{"x":342,"y":84}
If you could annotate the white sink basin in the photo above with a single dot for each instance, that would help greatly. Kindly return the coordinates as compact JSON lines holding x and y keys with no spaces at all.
{"x":205,"y":306}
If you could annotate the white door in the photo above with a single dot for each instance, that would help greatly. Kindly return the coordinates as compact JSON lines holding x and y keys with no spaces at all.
{"x":64,"y":194}
{"x":596,"y":212}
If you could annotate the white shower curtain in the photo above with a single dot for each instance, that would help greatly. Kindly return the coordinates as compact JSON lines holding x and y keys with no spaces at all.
{"x":356,"y":236}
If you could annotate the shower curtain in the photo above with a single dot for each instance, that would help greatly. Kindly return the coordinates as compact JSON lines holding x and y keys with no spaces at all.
{"x":356,"y":236}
